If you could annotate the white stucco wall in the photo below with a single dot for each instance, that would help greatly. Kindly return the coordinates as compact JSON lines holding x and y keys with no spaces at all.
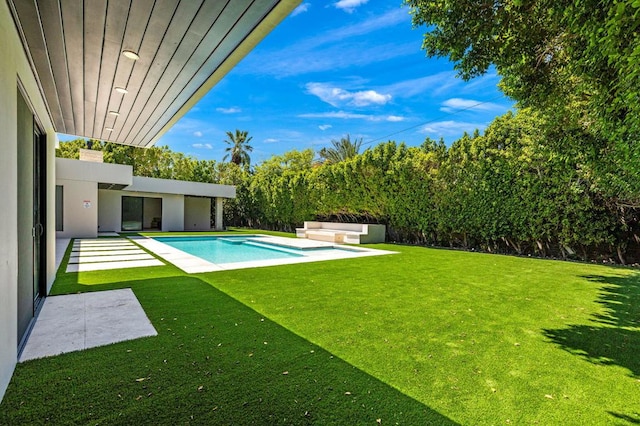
{"x":172,"y":213}
{"x":80,"y":212}
{"x":109,"y":210}
{"x":197,"y":214}
{"x":14,"y":67}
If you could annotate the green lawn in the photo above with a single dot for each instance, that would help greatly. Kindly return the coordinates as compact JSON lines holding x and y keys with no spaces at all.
{"x":425,"y":336}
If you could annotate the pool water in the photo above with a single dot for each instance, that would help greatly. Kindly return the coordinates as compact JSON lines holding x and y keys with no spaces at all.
{"x":228,"y":249}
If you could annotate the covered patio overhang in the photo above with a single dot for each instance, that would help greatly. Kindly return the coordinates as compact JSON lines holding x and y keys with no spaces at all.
{"x":126,"y":70}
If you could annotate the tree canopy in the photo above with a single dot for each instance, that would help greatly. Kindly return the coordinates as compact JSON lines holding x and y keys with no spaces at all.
{"x":238,"y":148}
{"x":341,"y":150}
{"x":575,"y":62}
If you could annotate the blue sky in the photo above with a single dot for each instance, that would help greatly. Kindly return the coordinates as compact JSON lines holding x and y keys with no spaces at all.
{"x":335,"y":68}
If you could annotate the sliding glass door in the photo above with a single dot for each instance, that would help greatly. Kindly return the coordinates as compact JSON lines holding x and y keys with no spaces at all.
{"x":31,"y":217}
{"x":132,"y":213}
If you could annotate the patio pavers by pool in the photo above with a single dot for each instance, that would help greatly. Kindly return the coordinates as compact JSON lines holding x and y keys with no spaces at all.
{"x":75,"y":322}
{"x":99,"y":254}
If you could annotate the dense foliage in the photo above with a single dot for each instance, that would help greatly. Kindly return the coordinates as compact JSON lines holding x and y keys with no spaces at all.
{"x":576,"y":62}
{"x":508,"y":190}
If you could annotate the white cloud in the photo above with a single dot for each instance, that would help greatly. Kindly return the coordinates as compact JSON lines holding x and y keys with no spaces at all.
{"x":349,"y":5}
{"x":458,"y":104}
{"x":197,"y":134}
{"x":301,"y":9}
{"x":324,"y":127}
{"x":336,"y":96}
{"x":232,"y":110}
{"x":349,"y":116}
{"x":202,"y":146}
{"x":271,"y":140}
{"x":451,"y":128}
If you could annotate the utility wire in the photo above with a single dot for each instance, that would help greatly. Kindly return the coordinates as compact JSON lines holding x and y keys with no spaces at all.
{"x":433,"y":120}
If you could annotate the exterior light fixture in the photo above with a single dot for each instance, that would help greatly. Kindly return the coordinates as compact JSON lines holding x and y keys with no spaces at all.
{"x":131,"y":54}
{"x":114,"y":113}
{"x":121,"y":90}
{"x":109,"y":129}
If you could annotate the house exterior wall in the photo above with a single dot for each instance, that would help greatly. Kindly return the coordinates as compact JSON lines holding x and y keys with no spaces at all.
{"x":172,"y":213}
{"x":109,"y":210}
{"x":80,"y":209}
{"x":15,"y":70}
{"x":219,"y":225}
{"x":197,"y":214}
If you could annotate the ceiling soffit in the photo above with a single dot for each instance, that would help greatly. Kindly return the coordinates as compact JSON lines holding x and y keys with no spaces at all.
{"x":184,"y":47}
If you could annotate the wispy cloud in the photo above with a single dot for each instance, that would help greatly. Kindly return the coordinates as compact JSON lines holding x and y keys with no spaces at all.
{"x":202,"y":145}
{"x":451,"y":128}
{"x":328,"y":50}
{"x":324,"y":127}
{"x":336,"y":96}
{"x":458,"y":104}
{"x":271,"y":140}
{"x":304,"y":7}
{"x":350,"y":116}
{"x":197,"y":134}
{"x":435,"y":85}
{"x":349,"y":5}
{"x":232,"y":110}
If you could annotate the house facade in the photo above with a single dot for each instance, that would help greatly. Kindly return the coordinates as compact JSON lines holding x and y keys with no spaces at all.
{"x":120,"y":71}
{"x":94,"y":197}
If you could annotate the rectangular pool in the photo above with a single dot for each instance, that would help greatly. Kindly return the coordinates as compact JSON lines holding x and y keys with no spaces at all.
{"x":206,"y":253}
{"x":229,"y":249}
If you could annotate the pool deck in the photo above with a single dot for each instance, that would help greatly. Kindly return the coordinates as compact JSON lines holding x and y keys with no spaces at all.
{"x":193,"y":264}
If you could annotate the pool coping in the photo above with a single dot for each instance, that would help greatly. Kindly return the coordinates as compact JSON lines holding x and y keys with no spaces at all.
{"x":192,"y":264}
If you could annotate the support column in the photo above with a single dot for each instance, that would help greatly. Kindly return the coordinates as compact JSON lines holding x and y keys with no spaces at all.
{"x":218,"y":223}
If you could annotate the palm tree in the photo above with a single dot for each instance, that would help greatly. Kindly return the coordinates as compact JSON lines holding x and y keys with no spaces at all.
{"x":341,"y":150}
{"x":239,"y":148}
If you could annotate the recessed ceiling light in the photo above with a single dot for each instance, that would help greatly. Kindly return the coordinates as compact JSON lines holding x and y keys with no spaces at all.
{"x":109,"y":129}
{"x":116,"y":113}
{"x":131,"y":54}
{"x":121,"y":90}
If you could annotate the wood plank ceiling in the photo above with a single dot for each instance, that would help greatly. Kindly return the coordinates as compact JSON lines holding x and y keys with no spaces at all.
{"x":184,"y":47}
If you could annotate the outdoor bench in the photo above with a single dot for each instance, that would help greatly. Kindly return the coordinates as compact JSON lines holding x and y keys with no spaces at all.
{"x":349,"y":233}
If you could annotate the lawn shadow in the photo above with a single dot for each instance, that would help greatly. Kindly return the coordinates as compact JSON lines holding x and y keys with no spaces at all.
{"x":629,"y":419}
{"x":614,"y":339}
{"x":214,"y":361}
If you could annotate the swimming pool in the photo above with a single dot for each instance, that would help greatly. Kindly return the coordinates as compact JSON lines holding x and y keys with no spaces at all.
{"x":206,"y":253}
{"x":228,"y":249}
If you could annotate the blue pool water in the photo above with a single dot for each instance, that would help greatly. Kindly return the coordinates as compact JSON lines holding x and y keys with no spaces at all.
{"x":227,"y":249}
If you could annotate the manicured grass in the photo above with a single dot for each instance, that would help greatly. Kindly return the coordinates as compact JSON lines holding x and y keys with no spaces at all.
{"x":421,"y":337}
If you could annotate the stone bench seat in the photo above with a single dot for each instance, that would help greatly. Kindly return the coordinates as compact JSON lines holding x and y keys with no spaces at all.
{"x":350,"y":233}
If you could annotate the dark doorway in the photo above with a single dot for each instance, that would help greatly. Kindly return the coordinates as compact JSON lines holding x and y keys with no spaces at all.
{"x":31,"y":218}
{"x":141,"y":213}
{"x":131,"y":213}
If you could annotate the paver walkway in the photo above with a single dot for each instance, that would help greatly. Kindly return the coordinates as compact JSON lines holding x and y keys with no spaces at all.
{"x":97,"y":254}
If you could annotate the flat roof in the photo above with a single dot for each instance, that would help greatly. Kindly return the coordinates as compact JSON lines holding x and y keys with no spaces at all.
{"x":120,"y":176}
